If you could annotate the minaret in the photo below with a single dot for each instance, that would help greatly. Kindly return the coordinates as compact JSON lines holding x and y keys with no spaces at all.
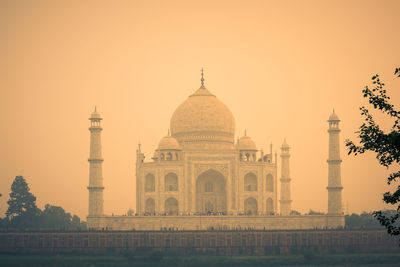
{"x":139,"y":179}
{"x":334,"y":161}
{"x":95,"y":171}
{"x":285,"y":200}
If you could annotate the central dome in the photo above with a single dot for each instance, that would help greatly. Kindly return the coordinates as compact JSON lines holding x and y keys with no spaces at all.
{"x":203,"y":118}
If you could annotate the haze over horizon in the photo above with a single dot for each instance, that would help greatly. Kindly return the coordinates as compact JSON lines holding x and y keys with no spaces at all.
{"x":279,"y":66}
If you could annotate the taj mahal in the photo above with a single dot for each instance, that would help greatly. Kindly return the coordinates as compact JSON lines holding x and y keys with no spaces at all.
{"x":200,"y":177}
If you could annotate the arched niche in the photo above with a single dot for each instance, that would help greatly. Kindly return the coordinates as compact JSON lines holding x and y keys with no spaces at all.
{"x":149,"y":184}
{"x":250,"y":206}
{"x":171,"y":182}
{"x":250,"y":182}
{"x":149,"y":206}
{"x":270,"y":206}
{"x":270,"y":183}
{"x":171,"y":206}
{"x":211,"y":193}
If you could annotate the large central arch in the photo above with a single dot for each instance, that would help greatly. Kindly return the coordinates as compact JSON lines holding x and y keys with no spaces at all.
{"x":211,"y":192}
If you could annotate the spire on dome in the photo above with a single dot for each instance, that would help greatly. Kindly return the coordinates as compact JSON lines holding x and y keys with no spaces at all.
{"x":333,"y":116}
{"x":285,"y":144}
{"x":95,"y":115}
{"x":202,"y":79}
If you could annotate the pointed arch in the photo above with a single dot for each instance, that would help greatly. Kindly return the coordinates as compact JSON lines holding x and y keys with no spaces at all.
{"x":149,"y":184}
{"x":211,"y":192}
{"x":171,"y":206}
{"x":171,"y":182}
{"x":150,"y":206}
{"x":250,"y":206}
{"x":250,"y":182}
{"x":270,"y":206}
{"x":270,"y":183}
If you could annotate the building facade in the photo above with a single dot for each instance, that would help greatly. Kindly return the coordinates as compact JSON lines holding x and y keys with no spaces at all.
{"x":200,"y":177}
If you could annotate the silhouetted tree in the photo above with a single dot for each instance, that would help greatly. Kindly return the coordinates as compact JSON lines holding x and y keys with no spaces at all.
{"x":130,"y":212}
{"x":3,"y":223}
{"x":54,"y":217}
{"x":364,"y":220}
{"x":76,"y":221}
{"x":386,"y":145}
{"x":22,"y":201}
{"x":22,"y":211}
{"x":313,"y":212}
{"x":294,"y":212}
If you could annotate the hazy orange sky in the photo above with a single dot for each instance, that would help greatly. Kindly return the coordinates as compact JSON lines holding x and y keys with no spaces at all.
{"x":280,"y":66}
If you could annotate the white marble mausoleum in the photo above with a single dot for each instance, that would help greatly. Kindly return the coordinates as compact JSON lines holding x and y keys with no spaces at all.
{"x":200,"y":177}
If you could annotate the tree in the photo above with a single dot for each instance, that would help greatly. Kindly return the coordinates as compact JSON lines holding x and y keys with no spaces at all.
{"x":386,"y":145}
{"x":76,"y":221}
{"x":22,"y":202}
{"x":22,"y":212}
{"x":294,"y":212}
{"x":313,"y":212}
{"x":363,"y":220}
{"x":54,"y":217}
{"x":130,"y":212}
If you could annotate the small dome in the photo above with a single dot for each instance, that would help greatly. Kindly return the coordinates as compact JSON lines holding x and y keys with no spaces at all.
{"x":95,"y":114}
{"x":155,"y":155}
{"x":246,"y":143}
{"x":334,"y":117}
{"x":168,"y":142}
{"x":285,"y":144}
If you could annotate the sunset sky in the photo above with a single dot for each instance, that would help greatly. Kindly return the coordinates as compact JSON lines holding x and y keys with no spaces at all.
{"x":280,"y":66}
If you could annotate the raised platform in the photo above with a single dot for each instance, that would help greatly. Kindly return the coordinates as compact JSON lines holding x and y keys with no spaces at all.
{"x":273,"y":222}
{"x":244,"y":242}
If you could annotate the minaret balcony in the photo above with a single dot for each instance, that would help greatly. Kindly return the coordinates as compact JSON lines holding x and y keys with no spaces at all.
{"x":333,"y":130}
{"x":95,"y":160}
{"x":335,"y":188}
{"x":334,"y":161}
{"x":95,"y":128}
{"x":95,"y":188}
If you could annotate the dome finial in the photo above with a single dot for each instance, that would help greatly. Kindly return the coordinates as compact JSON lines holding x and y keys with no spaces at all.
{"x":95,"y":108}
{"x":334,"y":116}
{"x":202,"y":78}
{"x":245,"y":132}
